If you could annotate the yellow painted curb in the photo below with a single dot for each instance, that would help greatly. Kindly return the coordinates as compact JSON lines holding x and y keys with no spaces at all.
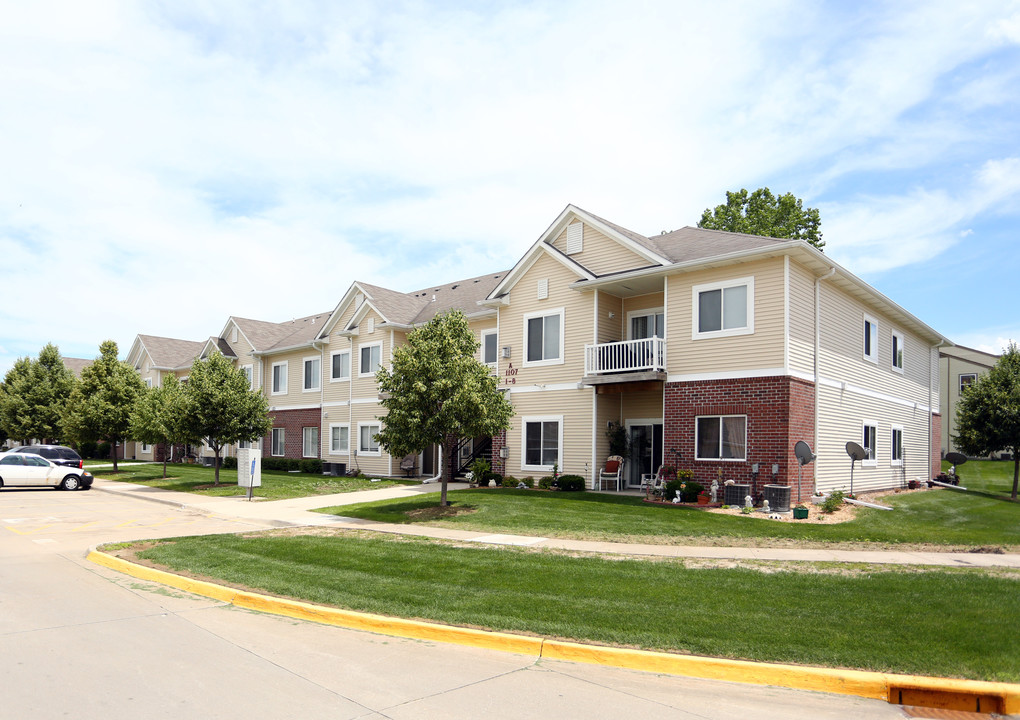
{"x":1003,"y":698}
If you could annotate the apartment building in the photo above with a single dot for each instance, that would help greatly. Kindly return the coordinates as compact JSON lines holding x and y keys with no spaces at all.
{"x":715,"y":352}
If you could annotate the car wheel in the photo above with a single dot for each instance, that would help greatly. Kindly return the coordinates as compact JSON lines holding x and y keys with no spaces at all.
{"x":71,"y":482}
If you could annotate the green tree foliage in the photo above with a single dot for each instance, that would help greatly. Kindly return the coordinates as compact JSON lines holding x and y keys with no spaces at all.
{"x":762,"y":213}
{"x":437,"y":391}
{"x":222,"y":407}
{"x":988,"y":414}
{"x":35,"y":395}
{"x":161,"y":416}
{"x":101,"y":404}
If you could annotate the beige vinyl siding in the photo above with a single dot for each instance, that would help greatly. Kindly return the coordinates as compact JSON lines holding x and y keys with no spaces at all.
{"x":483,"y":326}
{"x":646,"y":404}
{"x":363,"y":413}
{"x":762,"y":349}
{"x":575,"y":408}
{"x":802,"y":320}
{"x":365,"y":387}
{"x":955,"y":362}
{"x":339,"y":391}
{"x":576,"y":325}
{"x":601,"y":254}
{"x":841,"y":356}
{"x":841,"y":419}
{"x":609,"y":409}
{"x":610,"y":328}
{"x":295,"y":396}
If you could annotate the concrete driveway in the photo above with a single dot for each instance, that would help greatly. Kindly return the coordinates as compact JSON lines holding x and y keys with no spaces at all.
{"x":77,"y":640}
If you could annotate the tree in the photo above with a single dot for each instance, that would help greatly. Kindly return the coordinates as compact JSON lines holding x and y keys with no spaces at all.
{"x":101,"y":404}
{"x":988,"y":414}
{"x":762,"y":213}
{"x":161,"y":416}
{"x":35,"y":394}
{"x":437,"y":390}
{"x":221,"y":406}
{"x":15,"y":414}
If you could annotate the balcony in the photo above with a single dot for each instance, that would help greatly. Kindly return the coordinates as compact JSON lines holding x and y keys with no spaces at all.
{"x":626,"y":361}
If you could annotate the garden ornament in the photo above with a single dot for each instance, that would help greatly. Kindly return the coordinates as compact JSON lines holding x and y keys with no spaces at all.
{"x":765,"y":507}
{"x":715,"y":490}
{"x":492,"y":482}
{"x":748,"y":501}
{"x":678,"y":498}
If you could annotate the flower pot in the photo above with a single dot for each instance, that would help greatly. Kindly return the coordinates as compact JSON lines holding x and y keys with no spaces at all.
{"x":702,"y":500}
{"x":800,"y":513}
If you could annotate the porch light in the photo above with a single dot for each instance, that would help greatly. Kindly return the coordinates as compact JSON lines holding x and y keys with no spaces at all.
{"x":504,"y":452}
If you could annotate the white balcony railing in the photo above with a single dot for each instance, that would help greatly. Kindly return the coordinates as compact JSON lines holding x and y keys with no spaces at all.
{"x":625,"y":356}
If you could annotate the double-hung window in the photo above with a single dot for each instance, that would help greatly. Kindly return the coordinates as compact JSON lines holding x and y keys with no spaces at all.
{"x":310,"y":442}
{"x":870,"y":339}
{"x":490,"y":341}
{"x":723,"y":309}
{"x":897,"y":351}
{"x":340,"y":366}
{"x":721,"y":437}
{"x":371,"y":357}
{"x":966,"y":380}
{"x":249,"y":374}
{"x":278,"y":447}
{"x":312,"y":374}
{"x":367,"y":442}
{"x":339,"y":439}
{"x":543,"y":338}
{"x":869,"y":441}
{"x":542,"y":442}
{"x":279,"y":378}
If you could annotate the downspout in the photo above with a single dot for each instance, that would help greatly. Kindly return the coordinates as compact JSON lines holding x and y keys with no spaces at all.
{"x":352,"y":437}
{"x":928,"y":473}
{"x":322,"y":391}
{"x":594,"y":403}
{"x":389,"y":466}
{"x":818,"y":344}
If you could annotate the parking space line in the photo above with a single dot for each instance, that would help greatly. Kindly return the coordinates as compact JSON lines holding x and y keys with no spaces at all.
{"x":86,"y":525}
{"x":27,"y":532}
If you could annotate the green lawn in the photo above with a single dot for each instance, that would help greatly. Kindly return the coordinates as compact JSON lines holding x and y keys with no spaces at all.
{"x":276,"y":485}
{"x":984,"y":517}
{"x":945,"y":623}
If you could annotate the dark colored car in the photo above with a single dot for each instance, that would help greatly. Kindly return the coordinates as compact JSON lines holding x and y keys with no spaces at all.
{"x":54,"y":453}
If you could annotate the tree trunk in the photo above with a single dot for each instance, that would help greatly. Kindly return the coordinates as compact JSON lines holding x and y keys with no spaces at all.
{"x":1016,"y":470}
{"x":113,"y":449}
{"x":216,"y":464}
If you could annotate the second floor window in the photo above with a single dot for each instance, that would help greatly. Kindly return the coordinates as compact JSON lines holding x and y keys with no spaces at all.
{"x":371,"y":356}
{"x":723,"y":309}
{"x":489,"y":349}
{"x":341,"y":366}
{"x":312,"y":373}
{"x":544,"y":338}
{"x":279,"y":378}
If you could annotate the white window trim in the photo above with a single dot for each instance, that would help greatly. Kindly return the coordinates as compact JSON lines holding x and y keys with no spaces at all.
{"x":644,"y":313}
{"x":304,"y":449}
{"x":892,"y":446}
{"x":736,"y":282}
{"x":333,"y":355}
{"x":873,"y":357}
{"x":318,"y":377}
{"x":961,"y":376}
{"x":372,"y":372}
{"x":873,"y":460}
{"x":272,"y":378}
{"x":272,"y":442}
{"x":697,"y":443}
{"x":146,"y":448}
{"x":892,"y":342}
{"x":563,"y":331}
{"x":481,"y":350}
{"x":148,"y":383}
{"x":524,"y":442}
{"x":332,"y":450}
{"x":368,"y":453}
{"x":250,"y":375}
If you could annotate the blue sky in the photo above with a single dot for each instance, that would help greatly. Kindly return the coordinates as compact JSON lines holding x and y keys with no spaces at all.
{"x":167,"y":165}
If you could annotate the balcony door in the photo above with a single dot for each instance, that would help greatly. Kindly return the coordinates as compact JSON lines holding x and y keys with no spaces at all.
{"x":645,"y":449}
{"x":647,"y":324}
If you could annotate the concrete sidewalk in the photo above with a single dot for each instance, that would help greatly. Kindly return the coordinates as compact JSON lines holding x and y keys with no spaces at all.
{"x":297,"y":512}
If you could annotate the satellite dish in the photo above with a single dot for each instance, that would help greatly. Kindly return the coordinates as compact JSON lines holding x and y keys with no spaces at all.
{"x":956,"y":458}
{"x":803,"y":452}
{"x":856,"y":452}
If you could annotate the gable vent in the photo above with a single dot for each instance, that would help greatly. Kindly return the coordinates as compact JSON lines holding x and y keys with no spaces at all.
{"x":575,"y":238}
{"x":371,"y":325}
{"x":543,"y":288}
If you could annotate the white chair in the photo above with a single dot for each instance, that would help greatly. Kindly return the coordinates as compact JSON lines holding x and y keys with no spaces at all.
{"x":612,"y":471}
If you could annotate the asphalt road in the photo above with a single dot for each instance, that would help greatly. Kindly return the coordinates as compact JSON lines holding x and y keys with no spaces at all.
{"x":80,"y":641}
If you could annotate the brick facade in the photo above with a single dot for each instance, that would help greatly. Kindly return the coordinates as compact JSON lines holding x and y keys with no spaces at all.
{"x":779,"y":410}
{"x":936,"y":444}
{"x":498,"y":463}
{"x":293,"y":421}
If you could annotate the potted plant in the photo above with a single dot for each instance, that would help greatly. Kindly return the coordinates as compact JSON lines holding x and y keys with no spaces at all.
{"x":800,"y":512}
{"x":703,"y":498}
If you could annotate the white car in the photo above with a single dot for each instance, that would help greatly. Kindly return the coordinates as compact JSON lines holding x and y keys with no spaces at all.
{"x":28,"y":470}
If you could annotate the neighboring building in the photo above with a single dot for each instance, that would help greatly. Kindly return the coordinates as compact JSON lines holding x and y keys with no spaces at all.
{"x":715,"y":351}
{"x":959,"y":366}
{"x":76,"y":365}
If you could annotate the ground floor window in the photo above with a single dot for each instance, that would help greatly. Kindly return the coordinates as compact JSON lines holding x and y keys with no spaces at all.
{"x":721,"y":437}
{"x":339,"y":439}
{"x":146,"y":448}
{"x":897,"y":446}
{"x":542,"y":441}
{"x":870,"y":443}
{"x":310,"y":442}
{"x":367,"y":442}
{"x":277,"y":447}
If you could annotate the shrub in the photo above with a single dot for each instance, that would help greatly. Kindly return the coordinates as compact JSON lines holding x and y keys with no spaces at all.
{"x":546,"y":482}
{"x":88,"y":449}
{"x":507,"y":482}
{"x":312,"y":467}
{"x":832,"y":503}
{"x":570,"y":483}
{"x":746,"y":510}
{"x":228,"y":463}
{"x":103,"y":451}
{"x":688,"y":489}
{"x":480,"y":469}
